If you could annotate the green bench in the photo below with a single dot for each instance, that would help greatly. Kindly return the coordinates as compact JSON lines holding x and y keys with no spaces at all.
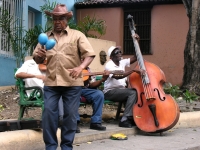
{"x":34,"y":100}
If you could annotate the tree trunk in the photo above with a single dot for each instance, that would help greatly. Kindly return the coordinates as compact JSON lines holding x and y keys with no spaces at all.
{"x":191,"y":77}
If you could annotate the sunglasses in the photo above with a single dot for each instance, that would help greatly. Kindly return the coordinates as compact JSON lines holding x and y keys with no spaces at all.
{"x":118,"y":52}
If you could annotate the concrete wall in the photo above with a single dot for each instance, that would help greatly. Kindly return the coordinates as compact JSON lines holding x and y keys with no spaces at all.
{"x":169,"y":27}
{"x":7,"y":66}
{"x":99,"y":45}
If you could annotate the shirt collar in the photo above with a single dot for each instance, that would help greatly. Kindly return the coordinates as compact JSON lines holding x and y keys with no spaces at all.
{"x":50,"y":33}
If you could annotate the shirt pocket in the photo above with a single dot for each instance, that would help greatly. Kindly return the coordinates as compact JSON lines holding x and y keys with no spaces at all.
{"x":69,"y":49}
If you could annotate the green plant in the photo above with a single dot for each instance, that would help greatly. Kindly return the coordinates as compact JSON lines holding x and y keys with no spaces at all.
{"x":190,"y":96}
{"x":1,"y":108}
{"x":48,"y":7}
{"x":174,"y":90}
{"x":89,"y":25}
{"x":30,"y":39}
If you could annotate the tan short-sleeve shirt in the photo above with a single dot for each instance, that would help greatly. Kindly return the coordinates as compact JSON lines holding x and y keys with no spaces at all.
{"x":69,"y":48}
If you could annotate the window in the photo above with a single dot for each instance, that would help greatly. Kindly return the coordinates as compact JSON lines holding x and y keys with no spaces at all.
{"x":31,"y":19}
{"x":11,"y":20}
{"x":142,"y":20}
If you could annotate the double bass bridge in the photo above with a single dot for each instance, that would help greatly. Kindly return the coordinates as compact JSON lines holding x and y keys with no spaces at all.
{"x":150,"y":98}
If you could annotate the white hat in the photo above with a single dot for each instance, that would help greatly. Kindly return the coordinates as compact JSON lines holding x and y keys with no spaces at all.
{"x":111,"y":49}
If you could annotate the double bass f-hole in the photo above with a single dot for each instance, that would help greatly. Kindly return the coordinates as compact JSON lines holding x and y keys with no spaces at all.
{"x":162,"y":99}
{"x":141,"y":95}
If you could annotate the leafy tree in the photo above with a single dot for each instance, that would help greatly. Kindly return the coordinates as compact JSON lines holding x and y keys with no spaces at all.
{"x":191,"y":77}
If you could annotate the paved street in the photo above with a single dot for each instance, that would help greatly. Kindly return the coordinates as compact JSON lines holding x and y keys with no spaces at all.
{"x":184,"y":136}
{"x":175,"y":139}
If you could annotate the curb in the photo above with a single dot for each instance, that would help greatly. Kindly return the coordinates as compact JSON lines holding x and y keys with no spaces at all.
{"x":188,"y":120}
{"x":21,"y":139}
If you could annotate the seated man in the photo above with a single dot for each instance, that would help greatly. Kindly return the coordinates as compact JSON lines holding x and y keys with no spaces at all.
{"x":33,"y":75}
{"x":115,"y":86}
{"x":96,"y":97}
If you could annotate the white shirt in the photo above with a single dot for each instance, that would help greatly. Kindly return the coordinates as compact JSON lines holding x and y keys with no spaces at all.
{"x":31,"y":67}
{"x":112,"y":83}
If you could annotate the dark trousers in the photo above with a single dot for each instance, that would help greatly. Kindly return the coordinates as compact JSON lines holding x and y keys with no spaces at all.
{"x":71,"y":100}
{"x":123,"y":95}
{"x":96,"y":97}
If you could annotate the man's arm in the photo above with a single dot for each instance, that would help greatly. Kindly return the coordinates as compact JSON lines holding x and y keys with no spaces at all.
{"x":133,"y":59}
{"x":75,"y":72}
{"x":24,"y":75}
{"x":125,"y":74}
{"x":99,"y":82}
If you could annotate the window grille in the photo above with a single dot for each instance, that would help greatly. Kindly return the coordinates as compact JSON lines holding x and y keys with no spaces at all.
{"x":142,"y":20}
{"x":14,"y":10}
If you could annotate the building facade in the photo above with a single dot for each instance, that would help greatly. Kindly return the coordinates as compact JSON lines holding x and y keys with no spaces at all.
{"x":25,"y":13}
{"x":161,"y":24}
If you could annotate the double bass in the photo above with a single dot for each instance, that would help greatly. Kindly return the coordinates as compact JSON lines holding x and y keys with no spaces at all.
{"x":154,"y":111}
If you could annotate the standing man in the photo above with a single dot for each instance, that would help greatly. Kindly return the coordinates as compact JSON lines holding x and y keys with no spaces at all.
{"x":71,"y":46}
{"x":115,"y":86}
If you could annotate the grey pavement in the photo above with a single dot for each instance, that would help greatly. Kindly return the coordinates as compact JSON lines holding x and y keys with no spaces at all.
{"x":174,"y":139}
{"x":185,"y":135}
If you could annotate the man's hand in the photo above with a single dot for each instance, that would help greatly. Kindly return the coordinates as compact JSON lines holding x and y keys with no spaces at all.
{"x":141,"y":72}
{"x":136,"y":36}
{"x":105,"y":75}
{"x":40,"y":55}
{"x":41,"y":52}
{"x":75,"y":72}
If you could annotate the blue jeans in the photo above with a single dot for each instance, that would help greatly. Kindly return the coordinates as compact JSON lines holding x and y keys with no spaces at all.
{"x":96,"y":97}
{"x":71,"y":101}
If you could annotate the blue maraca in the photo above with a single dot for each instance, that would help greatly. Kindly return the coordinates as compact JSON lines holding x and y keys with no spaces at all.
{"x":42,"y":38}
{"x":50,"y":44}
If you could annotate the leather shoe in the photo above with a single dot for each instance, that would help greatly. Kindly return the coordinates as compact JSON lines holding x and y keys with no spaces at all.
{"x":132,"y":122}
{"x":125,"y":124}
{"x":77,"y":129}
{"x":97,"y":126}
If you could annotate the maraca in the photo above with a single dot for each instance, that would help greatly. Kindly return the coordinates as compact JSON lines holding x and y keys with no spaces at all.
{"x":50,"y":44}
{"x":42,"y":38}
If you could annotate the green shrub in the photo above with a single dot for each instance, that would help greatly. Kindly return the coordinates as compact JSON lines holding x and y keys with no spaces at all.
{"x":190,"y":96}
{"x":174,"y":90}
{"x":1,"y":108}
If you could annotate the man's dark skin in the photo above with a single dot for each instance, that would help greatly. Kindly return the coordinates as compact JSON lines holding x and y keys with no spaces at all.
{"x":116,"y":56}
{"x":59,"y":24}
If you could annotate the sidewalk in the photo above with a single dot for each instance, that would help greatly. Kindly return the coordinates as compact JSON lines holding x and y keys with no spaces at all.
{"x":30,"y":139}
